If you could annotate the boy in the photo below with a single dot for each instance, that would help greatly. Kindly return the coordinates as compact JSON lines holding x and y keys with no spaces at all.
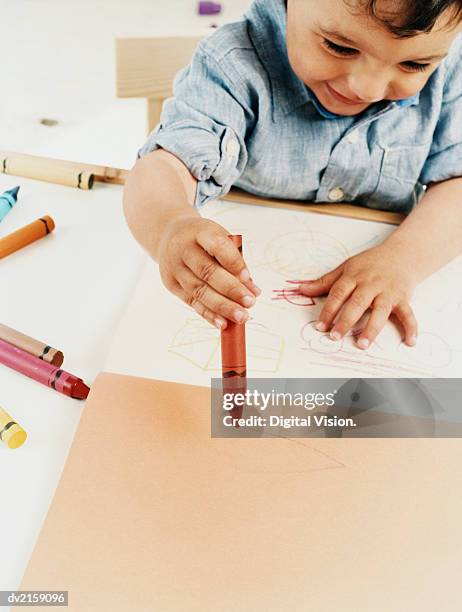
{"x":339,"y":100}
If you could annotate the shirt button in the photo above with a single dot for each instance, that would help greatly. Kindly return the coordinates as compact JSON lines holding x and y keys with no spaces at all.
{"x":353,"y":137}
{"x":336,"y":194}
{"x":233,"y":148}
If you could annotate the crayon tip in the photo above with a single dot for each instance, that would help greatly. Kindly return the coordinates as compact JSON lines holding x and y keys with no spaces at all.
{"x":13,"y":192}
{"x":80,"y":390}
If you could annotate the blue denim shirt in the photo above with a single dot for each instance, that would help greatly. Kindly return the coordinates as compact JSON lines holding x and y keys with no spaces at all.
{"x":240,"y":116}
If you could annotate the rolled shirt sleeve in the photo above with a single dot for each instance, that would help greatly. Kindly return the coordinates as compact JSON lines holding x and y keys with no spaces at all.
{"x":205,"y":123}
{"x":445,"y":157}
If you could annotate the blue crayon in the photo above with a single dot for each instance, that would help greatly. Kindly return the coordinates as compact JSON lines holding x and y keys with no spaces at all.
{"x":7,"y":201}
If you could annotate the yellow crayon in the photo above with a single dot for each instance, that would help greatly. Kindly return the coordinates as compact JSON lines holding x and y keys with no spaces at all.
{"x":10,"y":432}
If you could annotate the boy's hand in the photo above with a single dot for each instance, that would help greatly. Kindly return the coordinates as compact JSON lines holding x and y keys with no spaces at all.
{"x":200,"y":265}
{"x":376,"y":279}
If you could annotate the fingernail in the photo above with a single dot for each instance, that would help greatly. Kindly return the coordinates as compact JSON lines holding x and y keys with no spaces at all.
{"x":244,"y":275}
{"x":363,"y":343}
{"x":248,"y":301}
{"x":413,"y":340}
{"x":239,"y":316}
{"x":256,"y":288}
{"x":335,"y":336}
{"x":219,"y":323}
{"x":320,"y":326}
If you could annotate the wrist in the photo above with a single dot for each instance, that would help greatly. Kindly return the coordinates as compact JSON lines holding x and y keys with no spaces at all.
{"x":170,"y":217}
{"x":405,"y":256}
{"x":166,"y":225}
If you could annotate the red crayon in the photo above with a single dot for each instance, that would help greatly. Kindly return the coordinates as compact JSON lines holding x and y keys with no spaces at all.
{"x":42,"y":372}
{"x":233,"y":352}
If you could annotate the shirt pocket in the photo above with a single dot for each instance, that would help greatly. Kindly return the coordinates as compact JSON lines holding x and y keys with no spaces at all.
{"x":400,"y":168}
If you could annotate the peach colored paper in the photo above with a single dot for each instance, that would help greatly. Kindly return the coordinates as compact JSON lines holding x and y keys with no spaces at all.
{"x":151,"y":514}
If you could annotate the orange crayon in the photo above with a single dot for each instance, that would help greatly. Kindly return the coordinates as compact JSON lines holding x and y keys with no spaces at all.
{"x":24,"y":236}
{"x":233,"y":352}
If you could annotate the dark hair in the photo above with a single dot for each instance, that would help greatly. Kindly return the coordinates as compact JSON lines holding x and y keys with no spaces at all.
{"x":415,"y":16}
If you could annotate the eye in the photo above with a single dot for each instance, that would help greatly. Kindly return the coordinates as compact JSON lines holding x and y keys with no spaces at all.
{"x":415,"y":67}
{"x":345,"y":51}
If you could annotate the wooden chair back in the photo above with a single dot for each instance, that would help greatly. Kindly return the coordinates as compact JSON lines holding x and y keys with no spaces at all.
{"x":146,"y":67}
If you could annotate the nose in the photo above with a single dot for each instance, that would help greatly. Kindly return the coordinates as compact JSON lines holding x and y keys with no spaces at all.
{"x":368,"y":86}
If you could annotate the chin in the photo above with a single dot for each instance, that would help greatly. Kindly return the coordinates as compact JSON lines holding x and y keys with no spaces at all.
{"x":335,"y":106}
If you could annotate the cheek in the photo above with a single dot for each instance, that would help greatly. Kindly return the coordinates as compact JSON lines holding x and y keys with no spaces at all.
{"x":311,"y":65}
{"x":407,"y":85}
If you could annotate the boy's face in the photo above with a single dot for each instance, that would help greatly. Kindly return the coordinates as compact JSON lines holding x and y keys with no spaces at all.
{"x":350,"y":61}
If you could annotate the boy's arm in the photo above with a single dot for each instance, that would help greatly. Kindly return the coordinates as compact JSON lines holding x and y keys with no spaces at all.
{"x":383,"y":278}
{"x":197,"y":261}
{"x":432,"y":234}
{"x":158,"y":188}
{"x":194,"y":155}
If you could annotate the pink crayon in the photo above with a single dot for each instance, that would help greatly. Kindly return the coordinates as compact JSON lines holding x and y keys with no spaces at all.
{"x":42,"y":372}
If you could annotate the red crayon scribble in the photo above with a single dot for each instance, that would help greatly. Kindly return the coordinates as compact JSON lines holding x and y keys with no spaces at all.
{"x":293,"y":296}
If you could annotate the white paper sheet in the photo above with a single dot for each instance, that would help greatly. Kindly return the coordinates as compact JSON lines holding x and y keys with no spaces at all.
{"x":162,"y":338}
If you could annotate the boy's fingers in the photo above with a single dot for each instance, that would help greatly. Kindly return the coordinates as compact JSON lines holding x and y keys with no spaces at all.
{"x":406,"y":316}
{"x":252,"y":286}
{"x":322,"y":285}
{"x":204,"y":312}
{"x":380,"y":314}
{"x":197,"y":291}
{"x":210,"y":316}
{"x":354,"y":308}
{"x":218,"y":245}
{"x":210,"y":271}
{"x":339,"y":293}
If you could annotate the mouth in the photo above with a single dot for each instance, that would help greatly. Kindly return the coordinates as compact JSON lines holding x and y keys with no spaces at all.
{"x":337,"y":96}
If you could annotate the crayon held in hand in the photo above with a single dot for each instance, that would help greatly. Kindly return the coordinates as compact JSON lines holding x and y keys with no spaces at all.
{"x":32,"y":346}
{"x":42,"y":372}
{"x":233,"y":350}
{"x":7,"y":201}
{"x":12,"y":434}
{"x":26,"y":235}
{"x":233,"y":353}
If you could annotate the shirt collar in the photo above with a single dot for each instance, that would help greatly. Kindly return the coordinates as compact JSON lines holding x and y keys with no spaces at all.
{"x":267,"y":28}
{"x":412,"y":101}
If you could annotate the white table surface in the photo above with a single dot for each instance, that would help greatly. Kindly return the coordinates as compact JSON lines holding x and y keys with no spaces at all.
{"x":70,"y":288}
